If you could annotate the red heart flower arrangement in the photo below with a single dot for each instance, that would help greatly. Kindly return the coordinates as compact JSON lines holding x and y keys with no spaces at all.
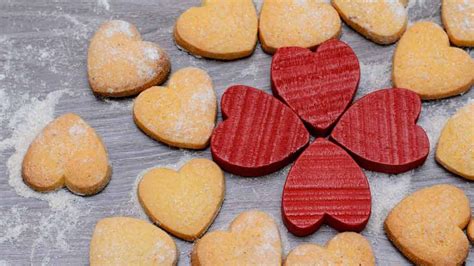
{"x":260,"y":135}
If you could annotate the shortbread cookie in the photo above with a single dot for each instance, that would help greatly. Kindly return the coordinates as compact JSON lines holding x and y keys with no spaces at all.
{"x":344,"y":249}
{"x":219,"y":29}
{"x":129,"y":241}
{"x":470,"y":230}
{"x":382,"y":21}
{"x":182,"y":114}
{"x":68,"y":152}
{"x":458,"y":19}
{"x":183,"y":203}
{"x":253,"y":239}
{"x":305,"y":24}
{"x":425,"y":63}
{"x":427,"y":226}
{"x":455,"y":149}
{"x":120,"y":64}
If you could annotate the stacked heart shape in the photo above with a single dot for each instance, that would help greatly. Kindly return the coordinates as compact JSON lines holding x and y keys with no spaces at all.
{"x":261,"y":134}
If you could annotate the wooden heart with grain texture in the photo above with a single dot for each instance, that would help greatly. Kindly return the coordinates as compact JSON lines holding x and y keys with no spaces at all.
{"x":184,"y":203}
{"x":428,"y":226}
{"x":382,"y":21}
{"x":259,"y":134}
{"x":317,"y":86}
{"x":380,"y":131}
{"x":120,"y":64}
{"x":182,"y":114}
{"x":305,"y":24}
{"x":455,"y":149}
{"x":325,"y":185}
{"x":252,"y":239}
{"x":425,"y":63}
{"x":130,"y":241}
{"x":344,"y":249}
{"x":68,"y":152}
{"x":219,"y":29}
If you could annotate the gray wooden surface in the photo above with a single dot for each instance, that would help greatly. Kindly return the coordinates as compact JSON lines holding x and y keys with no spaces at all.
{"x":43,"y":46}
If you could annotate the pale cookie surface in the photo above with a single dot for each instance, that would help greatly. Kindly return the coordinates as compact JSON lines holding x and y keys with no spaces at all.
{"x":253,"y":239}
{"x":382,"y":21}
{"x":297,"y":23}
{"x":120,"y":64}
{"x":427,"y":226}
{"x":425,"y":63}
{"x":129,"y":241}
{"x":68,"y":152}
{"x":458,"y":19}
{"x":470,"y":230}
{"x":344,"y":249}
{"x":183,"y":203}
{"x":182,"y":114}
{"x":455,"y":149}
{"x":219,"y":29}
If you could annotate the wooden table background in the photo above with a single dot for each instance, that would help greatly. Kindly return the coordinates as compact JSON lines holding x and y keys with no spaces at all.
{"x":43,"y":49}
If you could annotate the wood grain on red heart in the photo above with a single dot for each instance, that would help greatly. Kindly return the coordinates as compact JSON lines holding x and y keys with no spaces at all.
{"x":325,"y":185}
{"x":380,"y":131}
{"x":317,"y":86}
{"x":259,"y":134}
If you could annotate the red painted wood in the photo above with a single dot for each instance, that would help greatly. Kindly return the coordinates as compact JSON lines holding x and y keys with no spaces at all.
{"x":325,"y":185}
{"x":380,"y":131}
{"x":317,"y":86}
{"x":259,"y":134}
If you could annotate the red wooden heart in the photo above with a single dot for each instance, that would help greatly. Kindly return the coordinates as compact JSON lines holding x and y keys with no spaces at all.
{"x":317,"y":86}
{"x":259,"y":134}
{"x":380,"y":131}
{"x":325,"y":185}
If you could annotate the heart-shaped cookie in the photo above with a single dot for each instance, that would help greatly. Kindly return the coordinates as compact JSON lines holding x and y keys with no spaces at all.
{"x":197,"y":191}
{"x":259,"y":134}
{"x":455,"y":149}
{"x":120,"y":64}
{"x":382,"y":21}
{"x":252,"y":239}
{"x":219,"y":29}
{"x":381,"y":133}
{"x":306,"y":24}
{"x":325,"y":186}
{"x":427,"y":226}
{"x":458,"y":19}
{"x":425,"y":63}
{"x":68,"y":152}
{"x":344,"y":249}
{"x":317,"y":86}
{"x":470,"y":230}
{"x":129,"y":241}
{"x":182,"y":114}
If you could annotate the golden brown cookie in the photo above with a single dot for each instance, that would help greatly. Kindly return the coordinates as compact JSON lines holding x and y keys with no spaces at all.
{"x":297,"y":23}
{"x":425,"y":63}
{"x":129,"y":241}
{"x":182,"y":114}
{"x":68,"y":152}
{"x":470,"y":230}
{"x":344,"y":249}
{"x":455,"y":149}
{"x":382,"y":21}
{"x":458,"y":19}
{"x":120,"y":64}
{"x":427,"y":226}
{"x":253,"y":239}
{"x":183,"y":203}
{"x":218,"y":29}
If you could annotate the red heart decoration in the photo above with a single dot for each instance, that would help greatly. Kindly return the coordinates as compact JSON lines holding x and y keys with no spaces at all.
{"x":325,"y":185}
{"x":317,"y":86}
{"x":380,"y":131}
{"x":259,"y":134}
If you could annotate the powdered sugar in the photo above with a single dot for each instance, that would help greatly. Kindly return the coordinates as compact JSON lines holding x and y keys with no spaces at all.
{"x":119,"y":26}
{"x":104,"y":4}
{"x":151,"y":53}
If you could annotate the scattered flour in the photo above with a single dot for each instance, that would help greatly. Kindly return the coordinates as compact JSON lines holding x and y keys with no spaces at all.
{"x":103,"y":4}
